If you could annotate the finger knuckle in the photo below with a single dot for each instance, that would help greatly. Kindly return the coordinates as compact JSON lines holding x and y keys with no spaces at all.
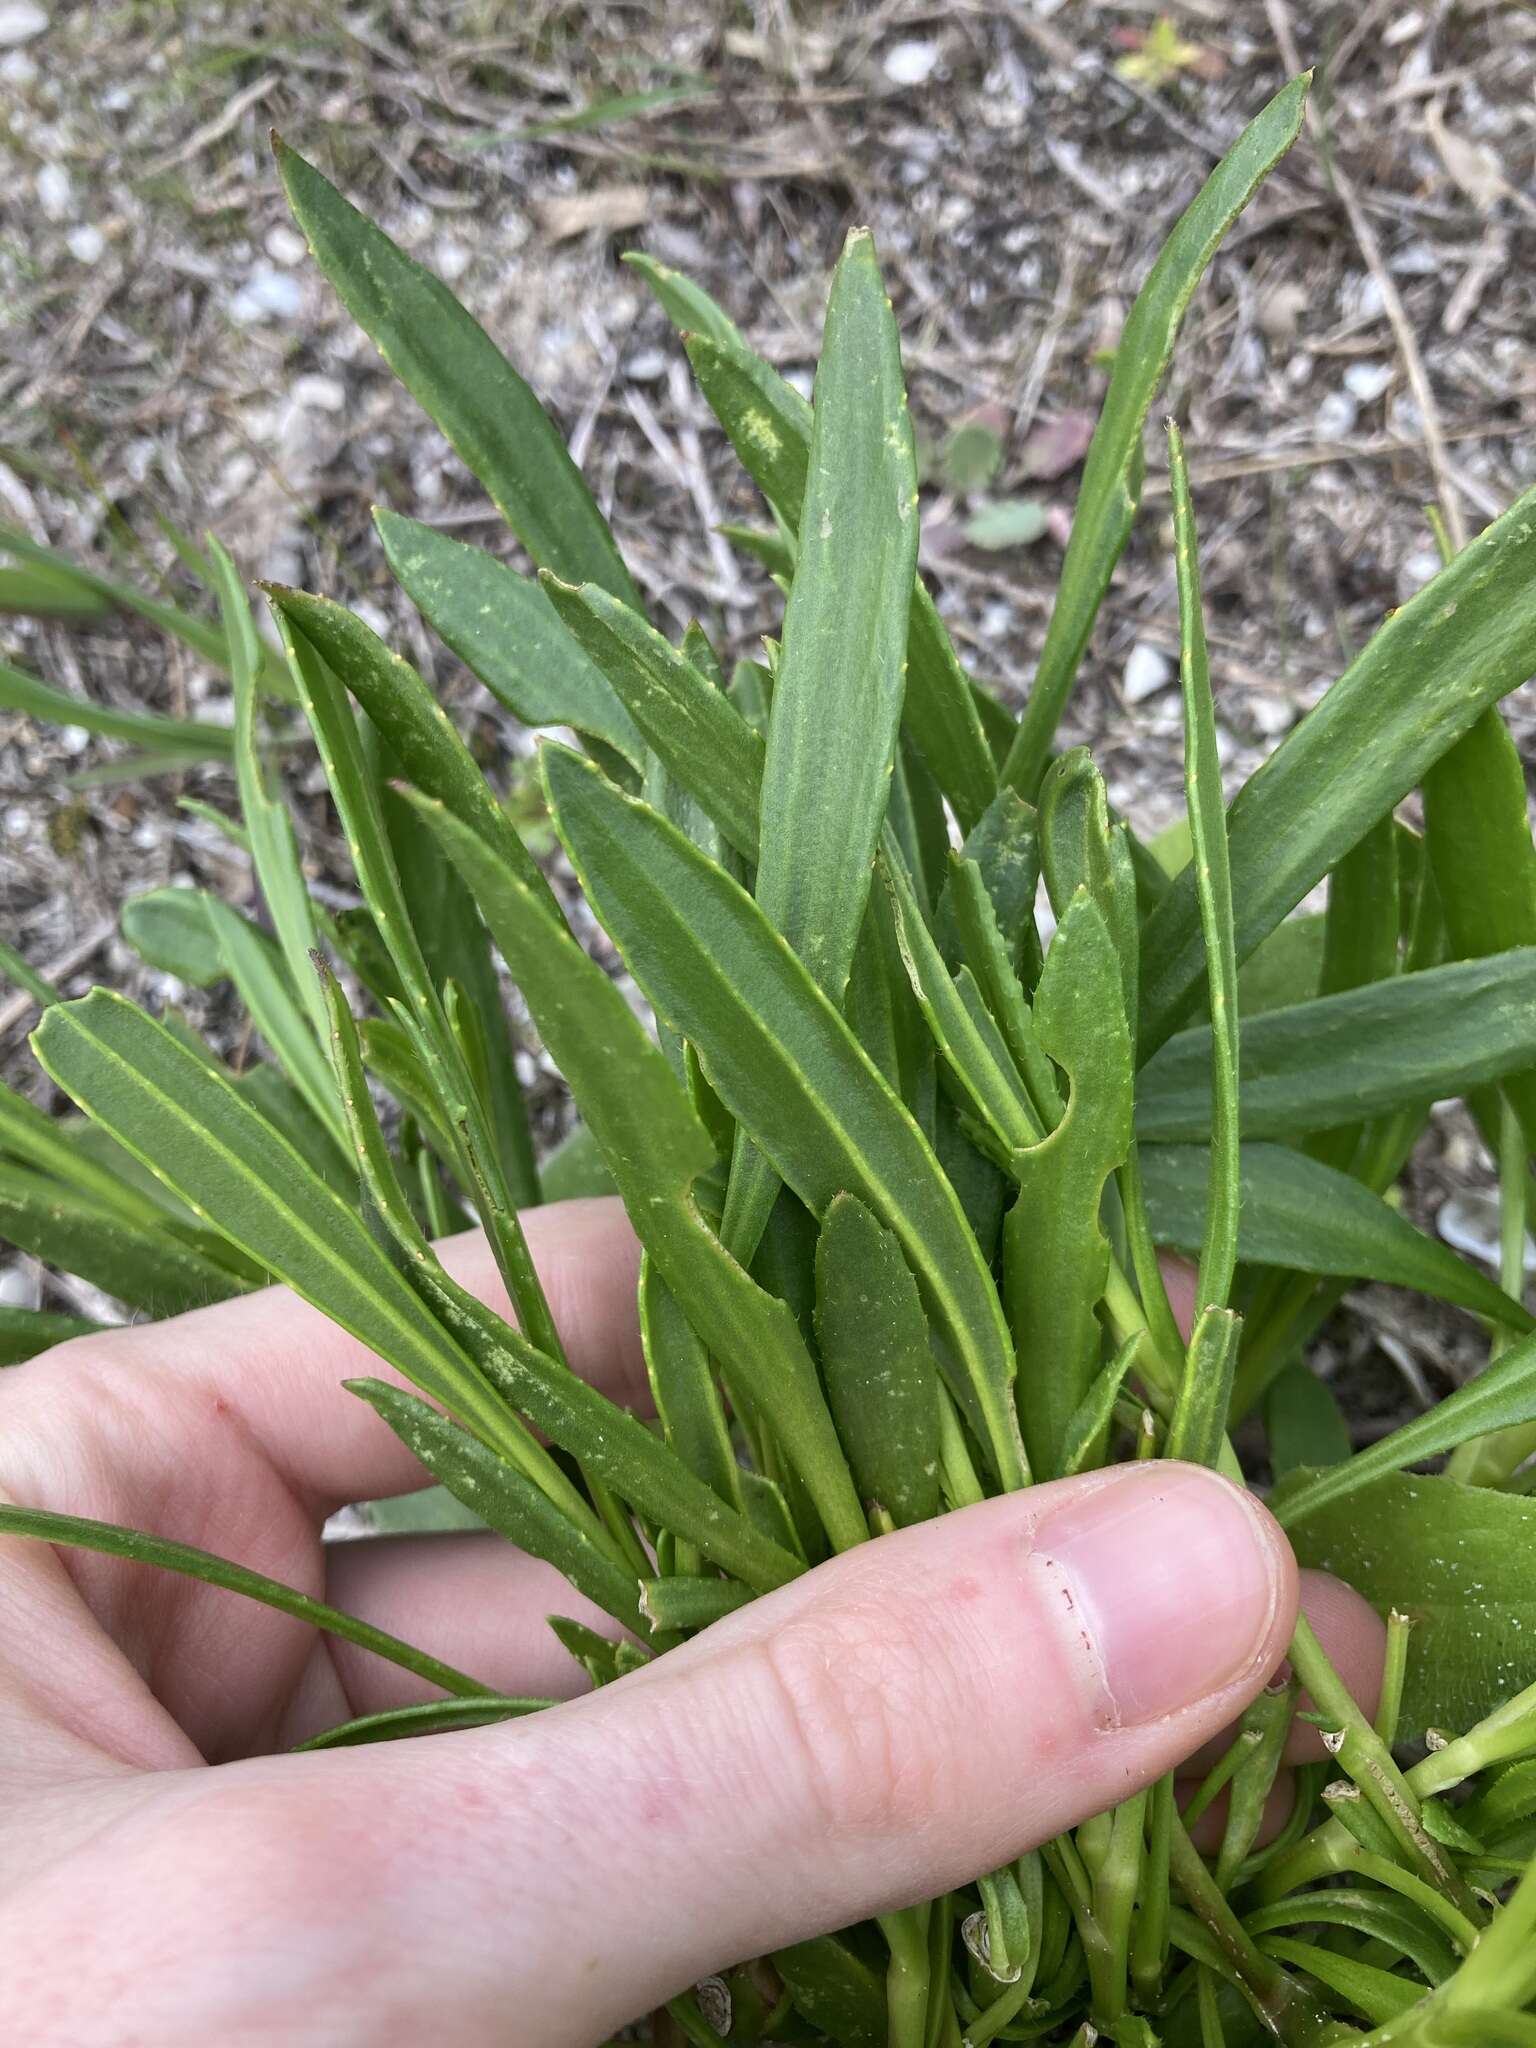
{"x":856,"y":1704}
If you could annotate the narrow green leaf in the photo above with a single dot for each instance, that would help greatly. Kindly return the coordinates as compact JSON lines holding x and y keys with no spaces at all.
{"x":138,"y":1548}
{"x":875,"y":1357}
{"x":274,"y":848}
{"x":464,"y":1112}
{"x":500,"y":624}
{"x":1478,"y":834}
{"x":785,"y":1064}
{"x":1082,"y":1444}
{"x":1206,"y":810}
{"x":683,"y":1387}
{"x":687,"y":305}
{"x":144,"y":1267}
{"x":1055,"y":1255}
{"x":1004,"y":846}
{"x":15,"y":967}
{"x":701,"y":739}
{"x":830,"y":752}
{"x":43,"y":591}
{"x":201,"y":635}
{"x":1296,"y":1212}
{"x":456,"y":373}
{"x":191,"y":1127}
{"x":770,"y":428}
{"x":1084,"y":847}
{"x":458,"y":957}
{"x":433,"y":1717}
{"x":24,"y":1332}
{"x":504,"y":1499}
{"x":689,"y":1604}
{"x":1374,"y":1993}
{"x":656,"y":1149}
{"x":418,"y":730}
{"x":1341,"y":1059}
{"x":1465,"y":640}
{"x":186,"y":738}
{"x":1500,"y":1397}
{"x":1199,"y":1424}
{"x":1111,"y":487}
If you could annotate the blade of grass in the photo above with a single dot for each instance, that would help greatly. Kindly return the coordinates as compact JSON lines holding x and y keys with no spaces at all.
{"x":105,"y":1538}
{"x":1111,"y":487}
{"x":1213,"y":883}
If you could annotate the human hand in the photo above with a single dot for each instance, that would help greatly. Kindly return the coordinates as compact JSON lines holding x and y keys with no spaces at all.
{"x":913,"y":1712}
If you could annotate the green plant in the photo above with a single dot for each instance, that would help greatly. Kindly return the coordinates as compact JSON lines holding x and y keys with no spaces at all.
{"x":870,"y":1082}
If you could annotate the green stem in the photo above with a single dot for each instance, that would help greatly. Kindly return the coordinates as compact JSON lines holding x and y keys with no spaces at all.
{"x":906,"y":1980}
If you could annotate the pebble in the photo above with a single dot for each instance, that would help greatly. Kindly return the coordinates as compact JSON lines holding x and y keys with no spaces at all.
{"x":1147,"y":670}
{"x":85,"y":243}
{"x":54,"y":191}
{"x":1271,"y":715}
{"x":266,"y":295}
{"x":649,"y":366}
{"x":1367,"y":381}
{"x":910,"y":63}
{"x":285,"y":244}
{"x":1418,"y":569}
{"x":20,"y":21}
{"x":1469,"y":1223}
{"x":323,"y":394}
{"x":1336,"y":415}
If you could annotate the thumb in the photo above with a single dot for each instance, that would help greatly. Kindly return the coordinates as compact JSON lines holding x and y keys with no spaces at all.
{"x":915,"y":1712}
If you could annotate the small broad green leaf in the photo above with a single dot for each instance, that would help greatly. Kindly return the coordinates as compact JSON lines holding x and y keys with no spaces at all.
{"x":24,"y":1332}
{"x":1287,"y":967}
{"x":456,"y":373}
{"x":432,"y":1717}
{"x":1007,"y":523}
{"x":1341,"y":1059}
{"x":1303,"y":1422}
{"x":500,"y":624}
{"x":575,"y":1169}
{"x":875,"y":1357}
{"x":1055,"y":1255}
{"x":505,"y":1500}
{"x":140,"y":1548}
{"x":1499,"y":1398}
{"x":187,"y":739}
{"x":836,"y":1991}
{"x":1298,"y":1213}
{"x":1206,"y":811}
{"x":1458,"y":1559}
{"x":785,"y":1064}
{"x":1460,"y":644}
{"x":656,"y":1149}
{"x":145,"y":1267}
{"x":697,"y":734}
{"x":1111,"y":488}
{"x":971,"y":456}
{"x":602,"y":1660}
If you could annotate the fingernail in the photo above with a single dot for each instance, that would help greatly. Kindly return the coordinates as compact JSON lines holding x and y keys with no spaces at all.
{"x":1172,"y":1581}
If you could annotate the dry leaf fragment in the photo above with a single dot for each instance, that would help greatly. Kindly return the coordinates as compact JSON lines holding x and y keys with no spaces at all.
{"x":1057,"y":445}
{"x":610,"y":208}
{"x":1472,"y":166}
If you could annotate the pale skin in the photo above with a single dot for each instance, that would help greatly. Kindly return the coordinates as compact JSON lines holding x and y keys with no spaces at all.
{"x":890,"y":1724}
